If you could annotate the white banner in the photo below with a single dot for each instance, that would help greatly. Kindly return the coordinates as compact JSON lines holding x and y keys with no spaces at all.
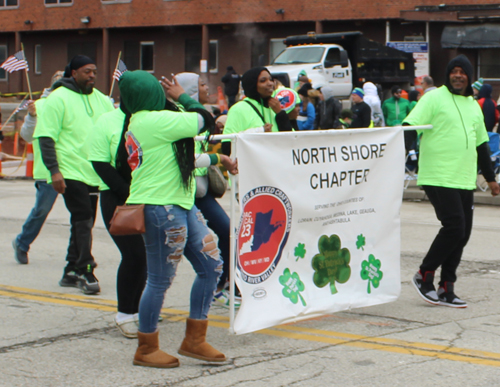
{"x":319,"y":229}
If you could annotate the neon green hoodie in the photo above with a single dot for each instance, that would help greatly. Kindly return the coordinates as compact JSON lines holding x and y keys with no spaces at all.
{"x":448,"y":155}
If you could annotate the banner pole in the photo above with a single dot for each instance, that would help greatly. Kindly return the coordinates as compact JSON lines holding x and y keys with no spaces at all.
{"x":113,"y":82}
{"x":26,"y":72}
{"x":312,"y":132}
{"x":232,"y":241}
{"x":14,"y":112}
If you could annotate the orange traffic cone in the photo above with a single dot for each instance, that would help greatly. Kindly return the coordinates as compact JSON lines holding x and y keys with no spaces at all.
{"x":29,"y":159}
{"x":221,"y":101}
{"x":16,"y":143}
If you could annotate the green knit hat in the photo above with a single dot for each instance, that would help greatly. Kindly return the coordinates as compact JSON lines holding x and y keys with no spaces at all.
{"x":477,"y":85}
{"x":358,"y":91}
{"x":140,"y":90}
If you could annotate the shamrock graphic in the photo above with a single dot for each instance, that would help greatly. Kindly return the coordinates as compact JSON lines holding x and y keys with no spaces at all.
{"x":370,"y":270}
{"x":300,"y":251}
{"x":360,"y":242}
{"x":292,"y":286}
{"x":331,"y":264}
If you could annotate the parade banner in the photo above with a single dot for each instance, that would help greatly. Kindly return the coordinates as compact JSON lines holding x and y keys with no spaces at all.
{"x":319,"y":229}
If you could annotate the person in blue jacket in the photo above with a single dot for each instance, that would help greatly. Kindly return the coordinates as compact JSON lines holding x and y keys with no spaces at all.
{"x":307,"y":113}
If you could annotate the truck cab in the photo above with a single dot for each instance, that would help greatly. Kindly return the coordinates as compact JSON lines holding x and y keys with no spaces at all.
{"x":325,"y":64}
{"x":342,"y":60}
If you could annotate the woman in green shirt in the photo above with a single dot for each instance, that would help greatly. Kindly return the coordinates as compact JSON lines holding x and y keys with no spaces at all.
{"x":161,"y":154}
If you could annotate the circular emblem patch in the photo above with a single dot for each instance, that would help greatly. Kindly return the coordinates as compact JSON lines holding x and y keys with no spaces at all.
{"x":263,"y":232}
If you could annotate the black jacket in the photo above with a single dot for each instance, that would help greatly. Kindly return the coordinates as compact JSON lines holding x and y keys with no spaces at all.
{"x":362,"y":115}
{"x":231,"y":83}
{"x":328,"y":114}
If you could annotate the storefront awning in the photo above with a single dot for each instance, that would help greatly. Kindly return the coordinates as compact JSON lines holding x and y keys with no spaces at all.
{"x":471,"y":36}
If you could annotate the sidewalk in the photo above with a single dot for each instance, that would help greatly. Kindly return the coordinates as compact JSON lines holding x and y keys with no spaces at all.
{"x":415,"y":193}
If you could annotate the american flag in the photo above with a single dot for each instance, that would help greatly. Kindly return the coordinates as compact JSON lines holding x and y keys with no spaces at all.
{"x":22,"y":106}
{"x":120,"y":69}
{"x":15,"y":62}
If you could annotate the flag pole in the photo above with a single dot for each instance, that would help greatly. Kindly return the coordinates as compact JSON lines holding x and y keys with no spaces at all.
{"x":26,"y":72}
{"x":113,"y":83}
{"x":15,"y":111}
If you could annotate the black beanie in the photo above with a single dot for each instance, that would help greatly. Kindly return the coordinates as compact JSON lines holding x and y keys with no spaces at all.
{"x":75,"y":63}
{"x":305,"y":89}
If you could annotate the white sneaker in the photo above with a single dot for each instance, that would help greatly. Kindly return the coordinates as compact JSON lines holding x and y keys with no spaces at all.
{"x":222,"y":298}
{"x":128,"y":327}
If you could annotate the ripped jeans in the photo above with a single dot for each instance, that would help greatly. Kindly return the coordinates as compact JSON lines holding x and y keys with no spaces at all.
{"x":172,"y":231}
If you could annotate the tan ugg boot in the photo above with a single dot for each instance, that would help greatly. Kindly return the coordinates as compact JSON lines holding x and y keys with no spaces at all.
{"x":194,"y":344}
{"x":148,"y":353}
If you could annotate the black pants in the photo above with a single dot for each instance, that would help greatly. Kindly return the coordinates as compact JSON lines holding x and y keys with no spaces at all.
{"x":231,"y":100}
{"x":454,"y":208}
{"x":131,"y":277}
{"x":81,"y":202}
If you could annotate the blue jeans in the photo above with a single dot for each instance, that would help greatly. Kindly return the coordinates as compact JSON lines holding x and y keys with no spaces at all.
{"x":218,"y":221}
{"x":45,"y":199}
{"x":172,"y":231}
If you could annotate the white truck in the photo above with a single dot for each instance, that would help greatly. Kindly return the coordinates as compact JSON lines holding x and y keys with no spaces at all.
{"x":343,"y":60}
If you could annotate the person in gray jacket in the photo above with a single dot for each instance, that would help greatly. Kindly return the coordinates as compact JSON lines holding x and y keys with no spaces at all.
{"x":45,"y":194}
{"x":328,"y":110}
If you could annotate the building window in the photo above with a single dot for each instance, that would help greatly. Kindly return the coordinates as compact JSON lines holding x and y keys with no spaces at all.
{"x":58,"y":2}
{"x":259,"y":52}
{"x":276,"y":46}
{"x":38,"y":59}
{"x":213,"y":56}
{"x":147,"y":56}
{"x":3,"y":57}
{"x":8,"y":3}
{"x":193,"y":55}
{"x":488,"y":65}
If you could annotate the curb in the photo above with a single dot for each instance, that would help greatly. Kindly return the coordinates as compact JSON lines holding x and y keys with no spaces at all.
{"x":484,"y":198}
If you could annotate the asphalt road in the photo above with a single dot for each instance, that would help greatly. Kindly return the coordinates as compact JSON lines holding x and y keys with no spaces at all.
{"x":53,"y":336}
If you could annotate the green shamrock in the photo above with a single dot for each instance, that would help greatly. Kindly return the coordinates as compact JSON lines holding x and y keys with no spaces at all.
{"x":370,"y":270}
{"x":300,"y":251}
{"x":360,"y":242}
{"x":292,"y":286}
{"x":331,"y":264}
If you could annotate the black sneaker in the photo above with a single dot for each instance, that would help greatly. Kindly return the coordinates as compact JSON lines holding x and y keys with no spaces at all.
{"x":447,"y":296}
{"x":88,"y":282}
{"x":20,"y":255}
{"x":69,"y":279}
{"x":425,"y":287}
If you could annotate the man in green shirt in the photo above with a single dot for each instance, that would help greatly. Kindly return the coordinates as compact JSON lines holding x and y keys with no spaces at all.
{"x":395,"y":109}
{"x":449,"y":156}
{"x":70,"y":112}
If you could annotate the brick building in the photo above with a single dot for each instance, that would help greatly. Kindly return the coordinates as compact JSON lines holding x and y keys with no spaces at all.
{"x":169,"y":36}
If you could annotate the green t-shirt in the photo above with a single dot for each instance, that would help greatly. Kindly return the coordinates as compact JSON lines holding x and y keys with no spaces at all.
{"x":156,"y":178}
{"x":39,"y":170}
{"x":68,"y":118}
{"x":242,"y":116}
{"x":105,"y":138}
{"x":447,"y":153}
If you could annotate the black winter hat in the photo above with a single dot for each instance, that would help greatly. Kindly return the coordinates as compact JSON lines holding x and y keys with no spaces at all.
{"x":305,"y":89}
{"x":464,"y":63}
{"x":75,"y":63}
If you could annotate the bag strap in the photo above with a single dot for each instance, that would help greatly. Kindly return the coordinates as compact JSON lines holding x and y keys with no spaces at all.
{"x":256,"y":110}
